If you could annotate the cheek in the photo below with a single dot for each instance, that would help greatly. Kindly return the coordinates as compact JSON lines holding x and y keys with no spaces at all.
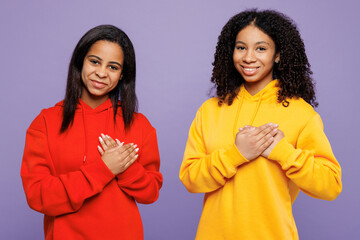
{"x":236,"y":60}
{"x":84,"y":72}
{"x":268,"y":61}
{"x":115,"y":80}
{"x":236,"y":57}
{"x":82,"y":75}
{"x":271,"y":64}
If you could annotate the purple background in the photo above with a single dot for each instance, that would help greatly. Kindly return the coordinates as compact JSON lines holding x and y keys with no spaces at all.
{"x":175,"y":43}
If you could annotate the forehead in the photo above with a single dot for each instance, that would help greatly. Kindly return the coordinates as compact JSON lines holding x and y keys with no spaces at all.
{"x":252,"y":34}
{"x":107,"y":50}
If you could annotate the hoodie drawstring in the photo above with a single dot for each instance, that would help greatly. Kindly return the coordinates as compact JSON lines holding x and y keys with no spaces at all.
{"x":107,"y":122}
{"x":241,"y":101}
{"x":256,"y":109}
{"x":237,"y":114}
{"x":84,"y":128}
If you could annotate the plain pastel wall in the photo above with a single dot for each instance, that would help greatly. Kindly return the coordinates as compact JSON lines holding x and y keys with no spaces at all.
{"x":175,"y":44}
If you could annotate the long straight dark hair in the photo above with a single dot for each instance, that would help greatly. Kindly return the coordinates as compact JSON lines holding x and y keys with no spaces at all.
{"x":125,"y":89}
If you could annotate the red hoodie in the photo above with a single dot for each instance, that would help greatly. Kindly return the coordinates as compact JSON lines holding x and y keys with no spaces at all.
{"x":65,"y":178}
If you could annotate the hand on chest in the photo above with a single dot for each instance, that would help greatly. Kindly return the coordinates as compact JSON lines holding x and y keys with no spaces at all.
{"x":220,"y":131}
{"x":78,"y":146}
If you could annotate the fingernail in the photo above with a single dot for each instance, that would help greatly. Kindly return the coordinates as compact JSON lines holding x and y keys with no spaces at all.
{"x":240,"y":129}
{"x":100,"y":139}
{"x":270,"y":124}
{"x":135,"y":146}
{"x":136,"y":156}
{"x":102,"y":135}
{"x":137,"y":149}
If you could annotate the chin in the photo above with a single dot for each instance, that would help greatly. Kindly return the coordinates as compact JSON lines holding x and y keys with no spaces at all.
{"x":251,"y":80}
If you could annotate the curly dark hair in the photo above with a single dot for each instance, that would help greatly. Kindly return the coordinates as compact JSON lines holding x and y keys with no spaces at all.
{"x":293,"y":71}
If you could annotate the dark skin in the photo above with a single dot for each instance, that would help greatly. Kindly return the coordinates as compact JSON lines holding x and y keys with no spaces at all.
{"x":253,"y":142}
{"x":117,"y":156}
{"x":254,"y":56}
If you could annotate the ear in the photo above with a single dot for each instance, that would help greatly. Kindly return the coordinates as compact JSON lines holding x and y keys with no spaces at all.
{"x":121,"y":76}
{"x":277,"y":57}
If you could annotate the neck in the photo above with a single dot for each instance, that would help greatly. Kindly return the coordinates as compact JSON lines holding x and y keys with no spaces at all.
{"x":254,"y":88}
{"x":93,"y":101}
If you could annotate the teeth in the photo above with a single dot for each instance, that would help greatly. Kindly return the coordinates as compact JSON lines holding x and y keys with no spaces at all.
{"x":250,"y":69}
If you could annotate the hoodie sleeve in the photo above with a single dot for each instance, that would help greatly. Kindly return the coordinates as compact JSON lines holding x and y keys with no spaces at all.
{"x":202,"y":171}
{"x":311,"y":165}
{"x":51,"y":194}
{"x":142,"y":180}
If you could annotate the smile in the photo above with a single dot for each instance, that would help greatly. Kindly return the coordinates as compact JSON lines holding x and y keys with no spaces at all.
{"x":250,"y":71}
{"x":97,"y":84}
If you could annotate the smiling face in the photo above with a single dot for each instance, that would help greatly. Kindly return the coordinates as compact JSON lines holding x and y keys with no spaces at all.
{"x":254,"y":57}
{"x":101,"y":72}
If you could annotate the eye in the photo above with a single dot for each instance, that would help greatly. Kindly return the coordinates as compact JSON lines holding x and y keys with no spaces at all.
{"x":93,"y":61}
{"x":112,"y":67}
{"x":261,"y":48}
{"x":240,"y":48}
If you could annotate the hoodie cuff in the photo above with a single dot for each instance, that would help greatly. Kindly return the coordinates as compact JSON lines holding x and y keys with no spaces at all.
{"x":131,"y":173}
{"x":282,"y":152}
{"x":234,"y":157}
{"x":99,"y":172}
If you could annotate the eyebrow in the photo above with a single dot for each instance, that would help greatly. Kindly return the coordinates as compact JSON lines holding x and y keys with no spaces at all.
{"x":112,"y":62}
{"x":261,"y":42}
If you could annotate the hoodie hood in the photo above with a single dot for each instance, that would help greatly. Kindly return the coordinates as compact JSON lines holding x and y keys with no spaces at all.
{"x":268,"y":93}
{"x":87,"y":110}
{"x":83,"y":106}
{"x":107,"y":105}
{"x":89,"y":113}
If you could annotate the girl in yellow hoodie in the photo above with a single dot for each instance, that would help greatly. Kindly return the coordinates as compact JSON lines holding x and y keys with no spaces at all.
{"x":254,"y":146}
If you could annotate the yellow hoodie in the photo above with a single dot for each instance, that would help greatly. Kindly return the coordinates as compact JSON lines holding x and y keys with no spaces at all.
{"x":253,"y":199}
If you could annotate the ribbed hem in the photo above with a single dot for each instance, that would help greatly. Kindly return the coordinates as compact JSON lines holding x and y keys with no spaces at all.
{"x":234,"y":157}
{"x":98,"y":171}
{"x":282,"y":152}
{"x":131,"y":173}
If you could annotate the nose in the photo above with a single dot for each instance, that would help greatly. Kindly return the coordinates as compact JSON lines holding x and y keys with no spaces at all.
{"x":249,"y":57}
{"x":101,"y":72}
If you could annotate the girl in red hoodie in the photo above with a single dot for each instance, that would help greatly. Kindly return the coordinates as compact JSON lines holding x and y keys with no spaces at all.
{"x":91,"y":157}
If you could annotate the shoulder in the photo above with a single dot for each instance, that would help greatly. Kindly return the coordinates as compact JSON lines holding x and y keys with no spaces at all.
{"x":212,"y":108}
{"x":140,"y":121}
{"x":54,"y":110}
{"x":46,"y":115}
{"x":300,"y":110}
{"x":301,"y":105}
{"x":141,"y":128}
{"x":210,"y":105}
{"x":140,"y":118}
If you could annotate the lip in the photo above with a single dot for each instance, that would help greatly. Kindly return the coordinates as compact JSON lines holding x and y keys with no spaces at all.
{"x":250,"y":70}
{"x":98,"y":84}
